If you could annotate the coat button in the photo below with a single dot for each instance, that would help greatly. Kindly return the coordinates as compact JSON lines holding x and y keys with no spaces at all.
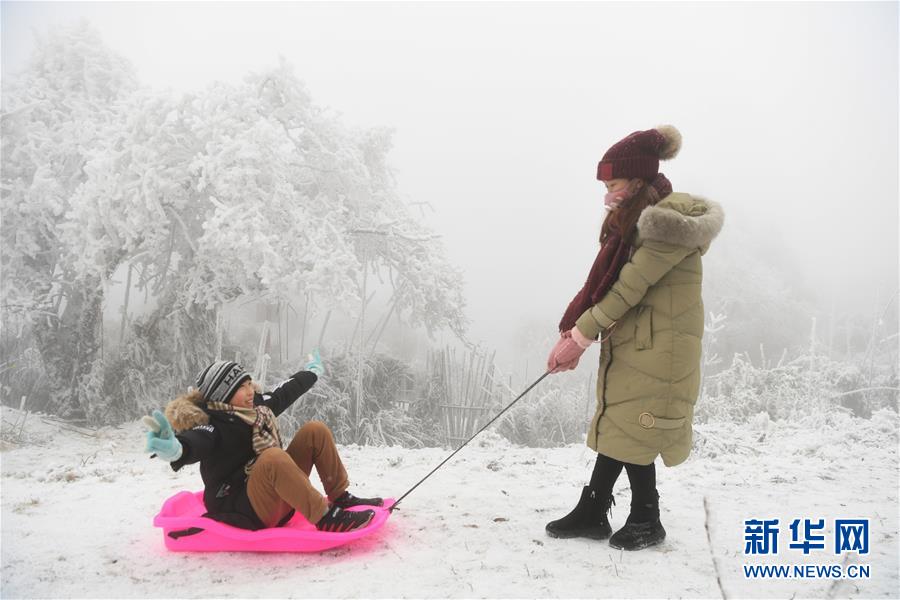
{"x":646,"y":420}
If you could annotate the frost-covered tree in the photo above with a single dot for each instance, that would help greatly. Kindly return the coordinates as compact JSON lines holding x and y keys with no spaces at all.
{"x":247,"y":190}
{"x":347,"y":188}
{"x":253,"y":190}
{"x":55,"y":117}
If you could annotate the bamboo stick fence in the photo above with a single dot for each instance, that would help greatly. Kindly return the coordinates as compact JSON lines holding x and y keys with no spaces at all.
{"x":468,"y":383}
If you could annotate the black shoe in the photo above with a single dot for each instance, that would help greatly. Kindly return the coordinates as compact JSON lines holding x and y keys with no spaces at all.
{"x":637,"y":536}
{"x":346,"y":500}
{"x":339,"y":520}
{"x":587,"y":519}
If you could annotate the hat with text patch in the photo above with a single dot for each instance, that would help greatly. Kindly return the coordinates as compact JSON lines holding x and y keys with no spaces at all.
{"x":638,"y":154}
{"x":219,"y":381}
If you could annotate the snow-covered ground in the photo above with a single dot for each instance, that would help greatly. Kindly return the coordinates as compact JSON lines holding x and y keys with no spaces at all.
{"x":77,"y":508}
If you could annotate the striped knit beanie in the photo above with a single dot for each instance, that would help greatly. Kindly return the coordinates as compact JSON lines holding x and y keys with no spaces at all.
{"x":638,"y":154}
{"x":220,"y":380}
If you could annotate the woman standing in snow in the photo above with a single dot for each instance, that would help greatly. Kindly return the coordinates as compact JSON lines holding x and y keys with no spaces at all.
{"x":642,"y":300}
{"x":249,"y":481}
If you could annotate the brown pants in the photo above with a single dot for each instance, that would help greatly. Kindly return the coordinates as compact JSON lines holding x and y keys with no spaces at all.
{"x":279,"y":479}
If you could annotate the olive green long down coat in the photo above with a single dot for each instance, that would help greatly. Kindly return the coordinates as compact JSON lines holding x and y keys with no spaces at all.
{"x":649,"y":376}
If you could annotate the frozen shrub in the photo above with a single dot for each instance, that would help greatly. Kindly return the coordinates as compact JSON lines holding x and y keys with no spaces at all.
{"x":791,"y":390}
{"x":22,"y":373}
{"x":386,"y":417}
{"x":325,"y":403}
{"x":555,"y":416}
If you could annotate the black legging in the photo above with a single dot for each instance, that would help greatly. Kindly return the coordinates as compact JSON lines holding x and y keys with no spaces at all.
{"x":644,"y":498}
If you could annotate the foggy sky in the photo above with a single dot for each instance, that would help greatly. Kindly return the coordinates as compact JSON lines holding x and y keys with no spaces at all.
{"x":501,"y":112}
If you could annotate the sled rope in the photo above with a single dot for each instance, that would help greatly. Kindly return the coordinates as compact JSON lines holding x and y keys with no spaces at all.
{"x":488,"y":424}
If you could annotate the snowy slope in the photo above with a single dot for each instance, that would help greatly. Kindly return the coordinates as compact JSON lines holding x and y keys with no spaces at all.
{"x":77,"y":508}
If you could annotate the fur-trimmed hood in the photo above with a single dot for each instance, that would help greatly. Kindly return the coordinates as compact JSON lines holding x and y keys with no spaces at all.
{"x":683,"y":220}
{"x":185,"y":412}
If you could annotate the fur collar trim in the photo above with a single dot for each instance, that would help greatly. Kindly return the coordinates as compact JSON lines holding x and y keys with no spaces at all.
{"x":185,"y":412}
{"x":682,"y":220}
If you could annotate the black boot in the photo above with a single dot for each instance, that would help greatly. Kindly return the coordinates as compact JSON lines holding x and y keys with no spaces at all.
{"x":642,"y":528}
{"x":637,"y":536}
{"x":587,"y":519}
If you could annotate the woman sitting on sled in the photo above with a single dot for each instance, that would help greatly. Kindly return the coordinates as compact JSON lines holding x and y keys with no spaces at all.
{"x":250,"y":481}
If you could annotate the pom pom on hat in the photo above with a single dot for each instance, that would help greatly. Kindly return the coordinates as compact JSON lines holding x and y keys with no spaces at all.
{"x":672,"y":143}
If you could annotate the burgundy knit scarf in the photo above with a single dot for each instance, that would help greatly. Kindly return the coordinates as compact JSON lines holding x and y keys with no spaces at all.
{"x":612,"y":256}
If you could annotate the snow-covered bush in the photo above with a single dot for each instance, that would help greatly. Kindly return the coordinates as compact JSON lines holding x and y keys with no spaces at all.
{"x":552,"y":416}
{"x":792,"y":389}
{"x":386,"y":417}
{"x":22,"y":372}
{"x":864,"y":389}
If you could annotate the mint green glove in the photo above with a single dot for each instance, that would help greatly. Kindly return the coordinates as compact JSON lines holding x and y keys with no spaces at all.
{"x":315,"y":363}
{"x":161,"y":439}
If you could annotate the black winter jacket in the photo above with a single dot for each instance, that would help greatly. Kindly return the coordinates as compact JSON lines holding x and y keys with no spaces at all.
{"x":222,"y":444}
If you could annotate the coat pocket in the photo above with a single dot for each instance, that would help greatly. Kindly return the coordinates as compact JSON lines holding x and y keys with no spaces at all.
{"x":643,"y":328}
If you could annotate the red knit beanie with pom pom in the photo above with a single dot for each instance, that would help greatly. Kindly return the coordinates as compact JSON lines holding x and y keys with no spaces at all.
{"x":638,"y":154}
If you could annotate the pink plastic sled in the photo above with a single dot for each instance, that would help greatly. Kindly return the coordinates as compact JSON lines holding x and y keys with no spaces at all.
{"x":185,"y":530}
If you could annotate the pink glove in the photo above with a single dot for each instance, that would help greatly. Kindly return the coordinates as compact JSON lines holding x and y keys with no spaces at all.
{"x":552,"y":364}
{"x":567,"y":351}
